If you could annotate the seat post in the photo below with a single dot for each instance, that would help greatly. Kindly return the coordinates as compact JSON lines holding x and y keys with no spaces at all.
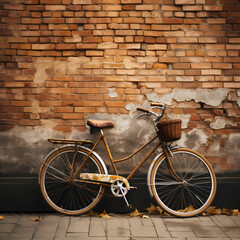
{"x":108,"y":151}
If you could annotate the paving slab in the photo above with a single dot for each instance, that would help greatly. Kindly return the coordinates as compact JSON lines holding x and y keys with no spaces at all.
{"x":119,"y":227}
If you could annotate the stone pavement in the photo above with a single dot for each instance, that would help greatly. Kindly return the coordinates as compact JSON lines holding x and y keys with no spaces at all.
{"x":119,"y":227}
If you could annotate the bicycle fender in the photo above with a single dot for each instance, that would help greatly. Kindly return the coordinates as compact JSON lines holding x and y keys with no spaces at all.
{"x":151,"y":167}
{"x":81,"y":147}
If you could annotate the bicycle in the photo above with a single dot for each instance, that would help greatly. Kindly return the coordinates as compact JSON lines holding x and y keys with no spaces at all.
{"x":73,"y":177}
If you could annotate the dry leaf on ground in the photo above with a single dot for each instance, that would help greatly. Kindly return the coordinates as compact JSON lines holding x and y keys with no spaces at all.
{"x":212,"y":211}
{"x":187,"y":209}
{"x":1,"y":217}
{"x":136,"y":213}
{"x":104,"y":215}
{"x":37,"y":219}
{"x":92,"y":213}
{"x":154,"y":210}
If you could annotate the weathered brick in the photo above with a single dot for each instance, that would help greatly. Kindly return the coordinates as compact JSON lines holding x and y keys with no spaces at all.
{"x":72,"y":115}
{"x":182,"y":2}
{"x":64,"y":46}
{"x":21,"y":46}
{"x":86,"y":46}
{"x":169,"y":59}
{"x":31,"y":20}
{"x":222,"y":65}
{"x":192,"y":8}
{"x":50,"y":2}
{"x":211,"y":72}
{"x":131,"y":1}
{"x":94,"y":53}
{"x":213,"y":8}
{"x":43,"y":46}
{"x":200,"y":65}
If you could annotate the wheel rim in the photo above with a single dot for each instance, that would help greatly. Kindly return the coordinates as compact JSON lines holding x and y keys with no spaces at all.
{"x":65,"y":194}
{"x":189,"y":197}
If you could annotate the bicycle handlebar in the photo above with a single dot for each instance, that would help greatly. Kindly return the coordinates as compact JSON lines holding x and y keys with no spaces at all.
{"x":149,"y":113}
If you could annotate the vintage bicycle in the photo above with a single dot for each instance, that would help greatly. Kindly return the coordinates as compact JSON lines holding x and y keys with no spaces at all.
{"x":73,"y":176}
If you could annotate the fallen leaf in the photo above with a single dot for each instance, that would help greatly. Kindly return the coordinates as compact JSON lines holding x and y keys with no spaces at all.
{"x":212,"y":210}
{"x":104,"y":215}
{"x":144,"y":216}
{"x":37,"y":219}
{"x":1,"y":217}
{"x":226,"y":211}
{"x":136,"y":213}
{"x":92,"y":213}
{"x":235,"y":212}
{"x":154,"y":210}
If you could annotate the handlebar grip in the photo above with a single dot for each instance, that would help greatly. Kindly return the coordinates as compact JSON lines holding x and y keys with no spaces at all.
{"x":158,"y":104}
{"x":143,"y":110}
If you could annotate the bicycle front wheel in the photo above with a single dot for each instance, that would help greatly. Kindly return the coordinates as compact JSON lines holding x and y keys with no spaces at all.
{"x":192,"y":195}
{"x":68,"y":195}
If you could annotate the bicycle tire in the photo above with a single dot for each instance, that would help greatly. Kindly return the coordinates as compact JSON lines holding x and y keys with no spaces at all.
{"x":191,"y":197}
{"x":70,"y":197}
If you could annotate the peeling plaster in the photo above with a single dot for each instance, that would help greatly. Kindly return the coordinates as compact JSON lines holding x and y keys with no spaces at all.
{"x":221,"y":123}
{"x":238,"y":101}
{"x":40,"y":76}
{"x":210,"y":97}
{"x":194,"y":139}
{"x":112,"y":93}
{"x":184,"y":117}
{"x":74,"y":63}
{"x":129,"y":63}
{"x":132,"y":108}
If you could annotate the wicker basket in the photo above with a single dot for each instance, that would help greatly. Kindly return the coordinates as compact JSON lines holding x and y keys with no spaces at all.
{"x":169,"y":130}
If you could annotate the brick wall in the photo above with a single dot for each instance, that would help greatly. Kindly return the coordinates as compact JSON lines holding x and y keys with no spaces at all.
{"x":63,"y":60}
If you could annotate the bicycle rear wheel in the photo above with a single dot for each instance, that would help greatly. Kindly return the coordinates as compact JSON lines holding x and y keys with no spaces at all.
{"x":65,"y":195}
{"x":189,"y":197}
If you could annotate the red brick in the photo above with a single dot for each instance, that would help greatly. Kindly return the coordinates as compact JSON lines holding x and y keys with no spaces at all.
{"x":86,"y":46}
{"x":85,"y":109}
{"x":200,"y":65}
{"x":192,"y":21}
{"x":63,"y":46}
{"x":50,"y":2}
{"x":93,"y":103}
{"x":63,"y":109}
{"x":14,"y":84}
{"x":72,"y":115}
{"x":182,"y":2}
{"x":31,"y":20}
{"x":171,"y":21}
{"x":222,"y":65}
{"x":27,"y":122}
{"x":131,"y":1}
{"x":21,"y":103}
{"x":192,"y":8}
{"x":212,"y":8}
{"x":168,"y":59}
{"x":43,"y":46}
{"x":231,"y":84}
{"x":232,"y":59}
{"x":211,"y":72}
{"x":21,"y":46}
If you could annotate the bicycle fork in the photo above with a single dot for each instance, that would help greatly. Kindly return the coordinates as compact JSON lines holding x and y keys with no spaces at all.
{"x":168,"y":155}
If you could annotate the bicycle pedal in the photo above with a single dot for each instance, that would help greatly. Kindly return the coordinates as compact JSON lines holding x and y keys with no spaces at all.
{"x":134,"y":187}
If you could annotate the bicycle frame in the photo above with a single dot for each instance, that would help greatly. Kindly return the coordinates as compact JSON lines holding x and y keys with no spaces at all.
{"x":113,"y":162}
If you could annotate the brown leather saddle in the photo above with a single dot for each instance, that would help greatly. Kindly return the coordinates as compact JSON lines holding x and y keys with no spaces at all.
{"x":100,"y":123}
